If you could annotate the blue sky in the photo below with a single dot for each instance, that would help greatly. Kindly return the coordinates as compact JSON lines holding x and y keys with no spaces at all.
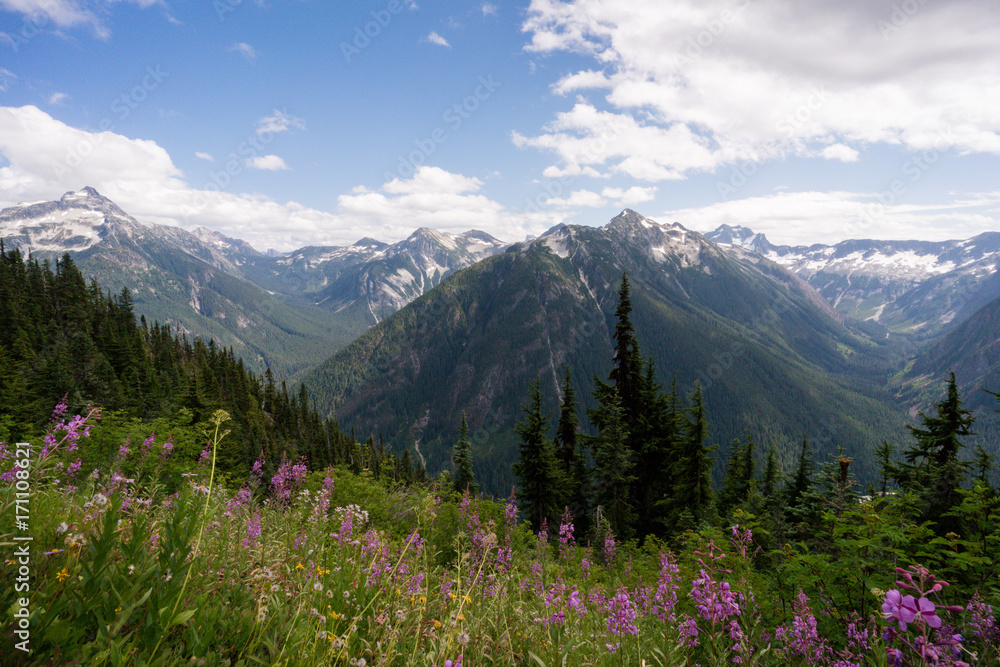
{"x":283,"y":122}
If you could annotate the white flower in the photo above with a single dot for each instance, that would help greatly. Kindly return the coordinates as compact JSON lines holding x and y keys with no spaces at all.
{"x":63,"y":527}
{"x":321,"y":635}
{"x":168,"y":576}
{"x":463,"y":638}
{"x":317,"y":586}
{"x":100,"y":500}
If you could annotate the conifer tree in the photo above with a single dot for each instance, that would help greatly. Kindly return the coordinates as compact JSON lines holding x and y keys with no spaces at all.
{"x":570,"y":454}
{"x":769,"y":483}
{"x":539,"y":492}
{"x":932,"y":468}
{"x":614,"y":467}
{"x":462,"y":477}
{"x":692,"y":497}
{"x":626,"y":375}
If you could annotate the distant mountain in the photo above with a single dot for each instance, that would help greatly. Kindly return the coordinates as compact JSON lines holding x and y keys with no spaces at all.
{"x":283,"y":311}
{"x":915,"y":287}
{"x":772,"y":360}
{"x":972,"y":351}
{"x":191,"y":280}
{"x":370,"y":280}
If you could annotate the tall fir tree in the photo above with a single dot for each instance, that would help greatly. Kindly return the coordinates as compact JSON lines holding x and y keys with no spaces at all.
{"x":462,"y":477}
{"x":626,"y":375}
{"x":540,"y":492}
{"x":691,"y":503}
{"x":932,"y":468}
{"x":571,"y":456}
{"x":614,"y":467}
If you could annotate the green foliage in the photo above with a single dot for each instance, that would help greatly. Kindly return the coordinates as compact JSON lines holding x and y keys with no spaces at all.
{"x":462,"y":477}
{"x":542,"y":484}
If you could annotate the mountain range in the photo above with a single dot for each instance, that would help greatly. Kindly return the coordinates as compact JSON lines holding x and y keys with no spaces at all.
{"x":285,"y":312}
{"x":844,"y":342}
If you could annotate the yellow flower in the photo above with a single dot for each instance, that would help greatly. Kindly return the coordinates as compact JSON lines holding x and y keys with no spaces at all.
{"x":423,"y":600}
{"x":62,"y":575}
{"x":461,"y":617}
{"x":451,"y":595}
{"x":467,"y":599}
{"x":300,"y":566}
{"x":412,"y":599}
{"x":334,"y":615}
{"x":398,"y":592}
{"x":437,"y":624}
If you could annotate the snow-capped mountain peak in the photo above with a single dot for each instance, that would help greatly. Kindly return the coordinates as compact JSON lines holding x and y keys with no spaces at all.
{"x":75,"y":222}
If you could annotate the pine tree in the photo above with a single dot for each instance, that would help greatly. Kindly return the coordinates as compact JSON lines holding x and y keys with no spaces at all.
{"x":569,"y":452}
{"x":691,"y":501}
{"x":739,"y":479}
{"x":932,"y":468}
{"x":614,"y":467}
{"x":461,"y":458}
{"x":769,"y":483}
{"x":541,"y":482}
{"x":626,"y":376}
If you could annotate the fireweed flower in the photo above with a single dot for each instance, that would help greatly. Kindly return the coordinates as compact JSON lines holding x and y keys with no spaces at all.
{"x":622,"y":615}
{"x":899,"y":607}
{"x":253,"y":532}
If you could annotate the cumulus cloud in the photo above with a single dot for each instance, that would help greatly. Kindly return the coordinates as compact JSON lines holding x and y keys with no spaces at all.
{"x":244,"y":50}
{"x":61,"y":13}
{"x":278,"y":122}
{"x":712,"y":82}
{"x":435,"y":38}
{"x":840,"y":152}
{"x":266,"y":162}
{"x":204,"y":156}
{"x":802,"y":218}
{"x":46,"y":158}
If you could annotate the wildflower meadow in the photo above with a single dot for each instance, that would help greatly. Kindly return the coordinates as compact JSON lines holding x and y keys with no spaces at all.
{"x":144,"y":555}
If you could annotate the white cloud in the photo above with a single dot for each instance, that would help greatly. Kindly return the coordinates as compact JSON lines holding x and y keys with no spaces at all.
{"x":819,"y":79}
{"x":204,"y":156}
{"x":244,"y":50}
{"x":435,"y":38}
{"x":140,"y":176}
{"x":57,"y":98}
{"x":489,"y":9}
{"x":279,"y":121}
{"x":6,"y":78}
{"x":62,"y":13}
{"x":840,"y":152}
{"x":828,"y":217}
{"x":608,"y":197}
{"x":266,"y":162}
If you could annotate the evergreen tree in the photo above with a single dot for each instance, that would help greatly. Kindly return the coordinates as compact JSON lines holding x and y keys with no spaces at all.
{"x":626,"y":375}
{"x":569,"y":452}
{"x":654,"y":441}
{"x":537,"y":469}
{"x":614,"y":467}
{"x":883,"y":456}
{"x":739,"y":479}
{"x":801,"y":483}
{"x":932,"y":469}
{"x":769,"y":483}
{"x":691,"y":501}
{"x":463,"y":478}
